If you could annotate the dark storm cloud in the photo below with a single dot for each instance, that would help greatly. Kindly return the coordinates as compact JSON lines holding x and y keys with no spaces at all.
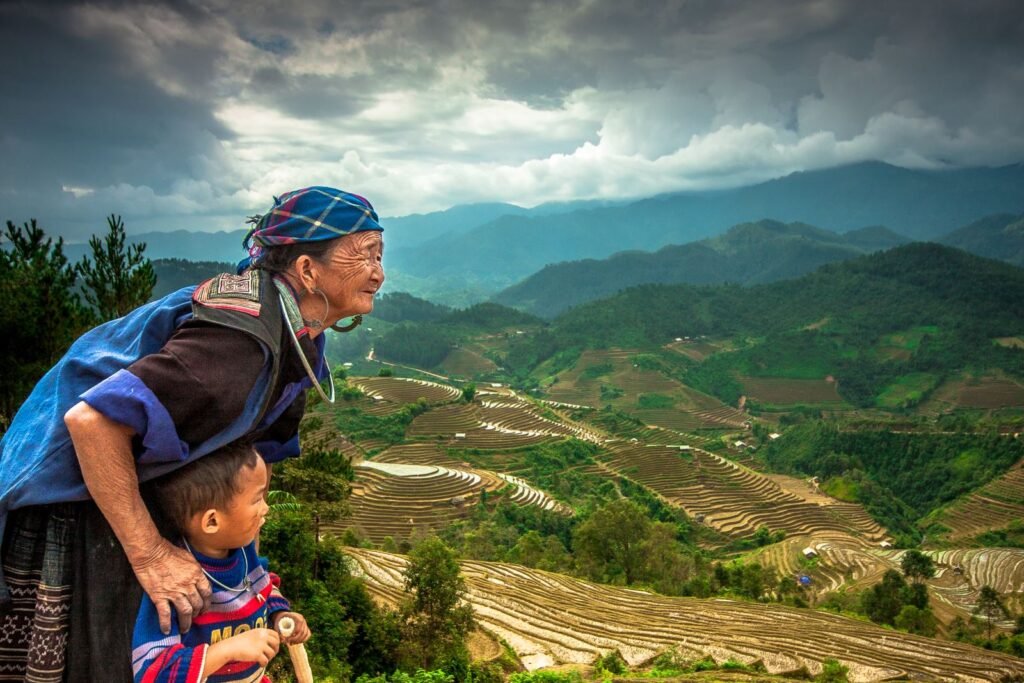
{"x":205,"y":107}
{"x":82,"y":110}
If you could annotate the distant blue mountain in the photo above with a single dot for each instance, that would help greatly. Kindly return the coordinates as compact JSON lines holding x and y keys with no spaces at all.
{"x":999,"y":237}
{"x":751,"y":253}
{"x":181,"y":244}
{"x":919,"y":204}
{"x":480,"y":249}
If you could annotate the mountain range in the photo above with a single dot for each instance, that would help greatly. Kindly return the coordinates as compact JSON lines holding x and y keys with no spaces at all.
{"x":750,"y":253}
{"x":468,"y":253}
{"x":999,"y":237}
{"x":915,"y":203}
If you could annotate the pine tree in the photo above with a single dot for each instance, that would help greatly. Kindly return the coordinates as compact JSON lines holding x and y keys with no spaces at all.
{"x":117,"y":279}
{"x":40,"y":311}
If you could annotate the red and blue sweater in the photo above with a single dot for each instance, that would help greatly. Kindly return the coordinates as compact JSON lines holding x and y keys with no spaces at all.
{"x":179,"y":658}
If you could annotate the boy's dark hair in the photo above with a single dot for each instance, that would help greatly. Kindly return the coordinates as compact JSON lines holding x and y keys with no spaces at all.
{"x":209,"y":482}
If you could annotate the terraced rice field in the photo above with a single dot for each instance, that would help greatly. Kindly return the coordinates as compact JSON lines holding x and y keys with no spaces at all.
{"x":317,"y":431}
{"x":733,"y":499}
{"x":696,"y":350}
{"x":961,"y":573}
{"x":781,"y":391}
{"x":396,"y":500}
{"x":991,"y":393}
{"x":687,"y":409}
{"x":446,"y":420}
{"x":986,"y":393}
{"x":993,"y":506}
{"x":525,"y":494}
{"x":721,"y":417}
{"x":843,"y":559}
{"x":669,"y":418}
{"x":1001,"y":568}
{"x":402,"y":390}
{"x":550,"y":619}
{"x":463,"y":362}
{"x":495,"y":421}
{"x":418,"y":453}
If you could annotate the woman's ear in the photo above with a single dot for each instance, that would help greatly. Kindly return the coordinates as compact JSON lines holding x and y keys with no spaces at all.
{"x":210,"y":522}
{"x":304,"y":271}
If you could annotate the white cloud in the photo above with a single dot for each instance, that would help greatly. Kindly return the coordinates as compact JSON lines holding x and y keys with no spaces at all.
{"x":213,"y":108}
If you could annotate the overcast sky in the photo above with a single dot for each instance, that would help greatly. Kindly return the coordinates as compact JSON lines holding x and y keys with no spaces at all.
{"x":193,"y":114}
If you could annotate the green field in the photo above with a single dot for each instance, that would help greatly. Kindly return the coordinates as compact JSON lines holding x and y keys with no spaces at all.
{"x":907,"y":391}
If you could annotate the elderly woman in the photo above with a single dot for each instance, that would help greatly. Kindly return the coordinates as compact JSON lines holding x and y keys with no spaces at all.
{"x":141,"y":396}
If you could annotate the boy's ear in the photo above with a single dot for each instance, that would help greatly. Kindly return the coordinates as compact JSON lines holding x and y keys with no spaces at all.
{"x":210,"y":522}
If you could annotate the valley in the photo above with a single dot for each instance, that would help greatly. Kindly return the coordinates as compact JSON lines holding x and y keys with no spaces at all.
{"x":458,"y":459}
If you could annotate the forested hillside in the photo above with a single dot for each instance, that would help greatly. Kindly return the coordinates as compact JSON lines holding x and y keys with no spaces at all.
{"x":747,"y":254}
{"x":920,"y":308}
{"x":999,"y":237}
{"x":174,"y":273}
{"x":899,"y":478}
{"x":426,"y":345}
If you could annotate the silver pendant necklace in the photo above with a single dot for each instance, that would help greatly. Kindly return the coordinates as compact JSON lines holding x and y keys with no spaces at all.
{"x":246,"y":581}
{"x":298,"y":348}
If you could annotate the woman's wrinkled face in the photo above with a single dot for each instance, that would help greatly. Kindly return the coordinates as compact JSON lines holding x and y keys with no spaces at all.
{"x":352,"y":272}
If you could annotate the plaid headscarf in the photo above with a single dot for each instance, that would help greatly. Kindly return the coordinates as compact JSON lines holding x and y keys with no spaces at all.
{"x":308,"y":215}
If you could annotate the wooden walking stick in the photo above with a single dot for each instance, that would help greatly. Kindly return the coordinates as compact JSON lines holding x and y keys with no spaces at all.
{"x":303,"y":674}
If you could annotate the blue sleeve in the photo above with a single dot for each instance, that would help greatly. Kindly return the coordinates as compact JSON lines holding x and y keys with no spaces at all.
{"x":275,"y":451}
{"x":157,"y":658}
{"x":125,"y":398}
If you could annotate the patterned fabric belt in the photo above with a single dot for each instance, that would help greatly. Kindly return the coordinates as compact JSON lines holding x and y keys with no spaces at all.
{"x":37,"y":553}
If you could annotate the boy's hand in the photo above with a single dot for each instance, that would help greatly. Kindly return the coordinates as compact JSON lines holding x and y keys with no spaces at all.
{"x":258,"y":645}
{"x":300,"y":634}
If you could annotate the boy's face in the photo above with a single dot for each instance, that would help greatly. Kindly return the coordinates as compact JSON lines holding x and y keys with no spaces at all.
{"x":245,"y":514}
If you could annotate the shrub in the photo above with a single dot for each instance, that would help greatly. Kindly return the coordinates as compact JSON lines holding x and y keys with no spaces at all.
{"x":832,"y":672}
{"x":546,"y":677}
{"x":612,"y":663}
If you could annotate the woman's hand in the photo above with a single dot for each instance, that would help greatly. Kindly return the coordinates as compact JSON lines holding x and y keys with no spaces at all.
{"x":169,"y":575}
{"x":301,"y":632}
{"x":173,"y":578}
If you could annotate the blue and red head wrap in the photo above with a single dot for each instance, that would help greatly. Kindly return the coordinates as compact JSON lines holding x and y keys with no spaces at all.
{"x":308,"y":215}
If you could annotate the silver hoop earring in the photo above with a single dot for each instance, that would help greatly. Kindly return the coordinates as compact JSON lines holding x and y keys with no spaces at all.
{"x":318,"y":323}
{"x":356,"y":321}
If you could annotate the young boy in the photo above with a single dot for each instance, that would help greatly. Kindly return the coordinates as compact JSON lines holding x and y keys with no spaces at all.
{"x":217,"y":504}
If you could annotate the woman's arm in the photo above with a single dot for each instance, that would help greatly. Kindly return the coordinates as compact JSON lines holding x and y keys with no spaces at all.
{"x":168,"y":574}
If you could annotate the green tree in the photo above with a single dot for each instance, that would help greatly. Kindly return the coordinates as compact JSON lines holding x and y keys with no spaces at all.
{"x":607,"y":543}
{"x":320,"y":481}
{"x":436,"y":619}
{"x":666,"y":568}
{"x":991,"y":607}
{"x":917,"y":566}
{"x":916,"y":620}
{"x":118,"y":278}
{"x":40,"y":311}
{"x":353,"y":636}
{"x":468,"y":392}
{"x":883,"y":601}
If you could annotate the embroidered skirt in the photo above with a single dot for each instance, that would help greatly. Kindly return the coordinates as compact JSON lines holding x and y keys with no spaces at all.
{"x":74,"y":598}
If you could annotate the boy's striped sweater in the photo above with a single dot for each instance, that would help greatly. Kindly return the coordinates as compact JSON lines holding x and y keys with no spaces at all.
{"x":179,"y":658}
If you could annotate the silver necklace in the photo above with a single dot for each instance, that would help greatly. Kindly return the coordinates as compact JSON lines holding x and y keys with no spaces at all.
{"x":302,"y":355}
{"x":246,"y":581}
